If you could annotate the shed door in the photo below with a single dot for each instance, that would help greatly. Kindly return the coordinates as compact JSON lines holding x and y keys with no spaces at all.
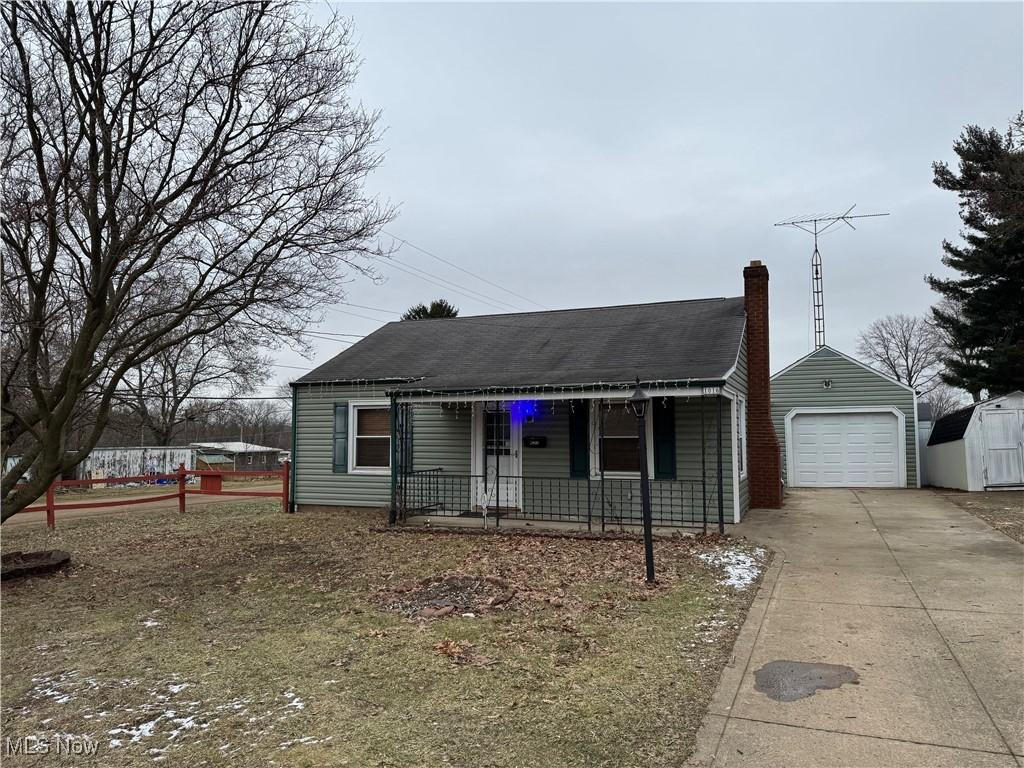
{"x":1004,"y":463}
{"x":837,"y":450}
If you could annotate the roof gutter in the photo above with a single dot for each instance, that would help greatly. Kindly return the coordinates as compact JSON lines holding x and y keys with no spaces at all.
{"x":688,"y":388}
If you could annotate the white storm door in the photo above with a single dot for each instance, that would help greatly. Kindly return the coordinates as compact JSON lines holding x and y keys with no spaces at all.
{"x":1004,"y":461}
{"x":502,"y":444}
{"x":839,"y":450}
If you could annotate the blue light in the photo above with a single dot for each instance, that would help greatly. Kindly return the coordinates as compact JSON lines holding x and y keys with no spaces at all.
{"x":523,"y":410}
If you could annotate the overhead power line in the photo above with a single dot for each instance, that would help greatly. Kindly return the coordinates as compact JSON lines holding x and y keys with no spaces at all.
{"x":448,"y":285}
{"x":372,"y":309}
{"x":356,"y":314}
{"x":463,"y":269}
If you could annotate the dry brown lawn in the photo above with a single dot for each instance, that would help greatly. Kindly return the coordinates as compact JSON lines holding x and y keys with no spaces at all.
{"x":1003,"y":510}
{"x":238,"y":635}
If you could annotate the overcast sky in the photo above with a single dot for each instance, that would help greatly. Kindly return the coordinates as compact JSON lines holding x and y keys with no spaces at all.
{"x":585,"y":155}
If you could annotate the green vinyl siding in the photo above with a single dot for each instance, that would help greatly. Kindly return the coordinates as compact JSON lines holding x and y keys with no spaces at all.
{"x":552,"y":461}
{"x":738,"y":383}
{"x":689,"y":447}
{"x":552,"y":421}
{"x":853,"y":386}
{"x":441,"y":439}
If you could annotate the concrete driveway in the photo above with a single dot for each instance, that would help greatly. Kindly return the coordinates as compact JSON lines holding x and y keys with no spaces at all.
{"x":919,"y":600}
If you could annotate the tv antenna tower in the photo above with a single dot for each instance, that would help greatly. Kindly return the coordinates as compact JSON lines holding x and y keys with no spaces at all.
{"x":819,"y":225}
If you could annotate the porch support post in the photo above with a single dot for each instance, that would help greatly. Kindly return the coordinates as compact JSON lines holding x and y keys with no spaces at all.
{"x":703,"y":467}
{"x":393,"y":413}
{"x":600,"y":452}
{"x":498,"y":439}
{"x":721,"y":507}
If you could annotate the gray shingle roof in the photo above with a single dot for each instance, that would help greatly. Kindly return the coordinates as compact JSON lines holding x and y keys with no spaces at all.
{"x":667,"y":341}
{"x":952,"y":426}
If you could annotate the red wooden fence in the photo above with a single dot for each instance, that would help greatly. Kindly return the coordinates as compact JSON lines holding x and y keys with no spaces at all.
{"x":210,"y":484}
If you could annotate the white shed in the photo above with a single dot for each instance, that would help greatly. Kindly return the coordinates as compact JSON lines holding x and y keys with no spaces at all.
{"x":980,"y":447}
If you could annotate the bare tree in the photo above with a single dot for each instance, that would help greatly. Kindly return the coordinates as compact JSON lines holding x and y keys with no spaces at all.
{"x":944,"y":399}
{"x":163,"y":390}
{"x":907,"y":348}
{"x":167,"y":169}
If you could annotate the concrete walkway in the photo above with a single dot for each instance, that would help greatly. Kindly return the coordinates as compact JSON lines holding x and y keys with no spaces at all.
{"x":921,"y":599}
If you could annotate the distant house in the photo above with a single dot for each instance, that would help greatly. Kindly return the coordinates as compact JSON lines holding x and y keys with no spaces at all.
{"x":980,"y":447}
{"x":523,"y":416}
{"x":237,"y":456}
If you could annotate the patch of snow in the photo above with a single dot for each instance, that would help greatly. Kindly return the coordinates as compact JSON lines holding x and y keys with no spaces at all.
{"x":177,"y":687}
{"x":183,"y":723}
{"x":294,"y":700}
{"x":151,"y":623}
{"x":303,"y":740}
{"x":741,"y":569}
{"x":138,"y":732}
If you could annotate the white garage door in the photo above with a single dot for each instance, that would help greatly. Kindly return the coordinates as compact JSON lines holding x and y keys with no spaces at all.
{"x":845,"y":449}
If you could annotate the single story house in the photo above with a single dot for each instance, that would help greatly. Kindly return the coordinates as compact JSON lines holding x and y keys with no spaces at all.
{"x":841,"y":424}
{"x":980,"y":447}
{"x":237,"y":455}
{"x":522,"y":416}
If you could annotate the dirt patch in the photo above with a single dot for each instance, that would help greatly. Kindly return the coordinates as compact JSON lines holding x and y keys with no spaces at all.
{"x":17,"y":565}
{"x":1003,"y":510}
{"x":793,"y":680}
{"x":456,"y":594}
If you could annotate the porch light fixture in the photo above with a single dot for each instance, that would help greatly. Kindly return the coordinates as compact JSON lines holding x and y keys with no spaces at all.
{"x":637,"y":405}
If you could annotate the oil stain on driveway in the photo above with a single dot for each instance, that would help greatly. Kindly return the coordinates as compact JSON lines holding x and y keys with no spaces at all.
{"x":916,"y":601}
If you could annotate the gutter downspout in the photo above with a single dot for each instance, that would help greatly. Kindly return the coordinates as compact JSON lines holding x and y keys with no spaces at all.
{"x":295,"y":453}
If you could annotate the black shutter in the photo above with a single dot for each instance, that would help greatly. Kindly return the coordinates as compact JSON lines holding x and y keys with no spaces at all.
{"x":664,"y":413}
{"x":579,"y":448}
{"x":341,"y":437}
{"x":405,"y":426}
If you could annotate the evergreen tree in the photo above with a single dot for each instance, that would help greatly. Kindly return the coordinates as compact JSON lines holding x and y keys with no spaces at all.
{"x":989,"y":289}
{"x":437,"y":308}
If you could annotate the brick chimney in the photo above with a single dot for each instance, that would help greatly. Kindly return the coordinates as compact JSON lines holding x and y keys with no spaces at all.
{"x":764,"y":473}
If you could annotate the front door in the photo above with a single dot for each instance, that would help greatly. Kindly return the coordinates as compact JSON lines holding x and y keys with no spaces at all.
{"x":500,"y":440}
{"x":1004,"y":453}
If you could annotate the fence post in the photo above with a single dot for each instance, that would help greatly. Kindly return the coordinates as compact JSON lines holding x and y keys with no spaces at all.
{"x":51,"y":518}
{"x":181,"y":487}
{"x":285,"y":477}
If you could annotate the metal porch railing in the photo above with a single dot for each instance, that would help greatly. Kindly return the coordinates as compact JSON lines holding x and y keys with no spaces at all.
{"x":598,"y":504}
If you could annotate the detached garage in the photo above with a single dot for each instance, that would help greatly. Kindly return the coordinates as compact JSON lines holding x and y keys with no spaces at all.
{"x":980,"y":447}
{"x":843,"y":424}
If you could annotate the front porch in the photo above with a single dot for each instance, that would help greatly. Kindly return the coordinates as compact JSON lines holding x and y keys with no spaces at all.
{"x":567,"y":462}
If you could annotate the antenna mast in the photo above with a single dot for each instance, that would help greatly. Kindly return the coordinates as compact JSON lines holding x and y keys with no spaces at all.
{"x":819,"y":225}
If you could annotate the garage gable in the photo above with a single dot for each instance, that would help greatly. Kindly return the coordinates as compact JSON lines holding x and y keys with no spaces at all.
{"x":843,"y":418}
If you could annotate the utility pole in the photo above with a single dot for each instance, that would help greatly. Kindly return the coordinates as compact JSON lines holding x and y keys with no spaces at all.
{"x":816,"y":226}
